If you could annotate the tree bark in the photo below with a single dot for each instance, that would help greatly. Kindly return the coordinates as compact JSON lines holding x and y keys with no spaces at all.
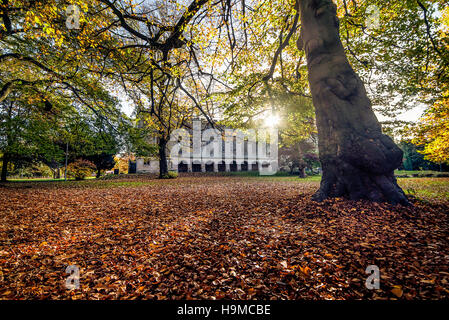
{"x":163,"y":168}
{"x":5,"y":167}
{"x":358,"y":161}
{"x":302,"y":172}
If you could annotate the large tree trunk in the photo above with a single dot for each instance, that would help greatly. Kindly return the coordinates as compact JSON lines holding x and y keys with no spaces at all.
{"x":5,"y":167}
{"x":358,"y":161}
{"x":163,"y":168}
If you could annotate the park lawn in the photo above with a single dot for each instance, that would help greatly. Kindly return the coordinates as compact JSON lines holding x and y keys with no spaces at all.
{"x":429,"y":189}
{"x":43,"y":179}
{"x":219,"y":237}
{"x":419,"y":172}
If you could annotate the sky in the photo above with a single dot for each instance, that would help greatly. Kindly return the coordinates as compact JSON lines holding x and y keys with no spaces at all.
{"x":410,"y":115}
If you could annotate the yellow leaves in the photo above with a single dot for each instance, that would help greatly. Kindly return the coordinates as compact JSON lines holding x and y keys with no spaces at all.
{"x":397,"y":291}
{"x":83,"y":5}
{"x":433,"y":132}
{"x":59,"y":41}
{"x":49,"y":30}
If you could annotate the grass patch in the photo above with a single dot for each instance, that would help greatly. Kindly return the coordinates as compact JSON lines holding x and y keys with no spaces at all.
{"x":426,"y":188}
{"x":420,"y":173}
{"x":44,"y":179}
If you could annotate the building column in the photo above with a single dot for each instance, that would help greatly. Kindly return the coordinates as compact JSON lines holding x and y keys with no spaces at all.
{"x":203,"y":167}
{"x":239,"y":167}
{"x":228,"y":167}
{"x":215,"y":166}
{"x":189,"y":166}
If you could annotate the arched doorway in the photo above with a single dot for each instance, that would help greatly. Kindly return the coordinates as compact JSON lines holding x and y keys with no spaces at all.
{"x":222,"y":166}
{"x":183,"y":167}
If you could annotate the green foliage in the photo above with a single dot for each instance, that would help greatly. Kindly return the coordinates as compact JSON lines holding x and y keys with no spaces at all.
{"x":80,"y":169}
{"x":398,"y":60}
{"x":413,"y":158}
{"x":170,"y":175}
{"x":137,"y":142}
{"x":33,"y":171}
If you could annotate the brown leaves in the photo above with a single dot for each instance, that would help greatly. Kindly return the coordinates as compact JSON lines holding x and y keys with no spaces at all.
{"x":397,"y":291}
{"x":216,"y":238}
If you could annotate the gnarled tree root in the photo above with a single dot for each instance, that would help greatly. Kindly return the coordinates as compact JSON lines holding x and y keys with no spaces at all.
{"x":361,"y":185}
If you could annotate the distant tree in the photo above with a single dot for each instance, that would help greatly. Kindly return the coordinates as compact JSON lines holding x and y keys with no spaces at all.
{"x":433,"y":132}
{"x":102,"y":161}
{"x":26,"y":134}
{"x":415,"y":160}
{"x":93,"y":138}
{"x":80,"y":169}
{"x":137,"y":141}
{"x":30,"y":134}
{"x":300,"y":155}
{"x":122,"y":162}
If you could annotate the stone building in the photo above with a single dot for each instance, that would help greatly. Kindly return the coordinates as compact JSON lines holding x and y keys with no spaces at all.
{"x":222,"y":150}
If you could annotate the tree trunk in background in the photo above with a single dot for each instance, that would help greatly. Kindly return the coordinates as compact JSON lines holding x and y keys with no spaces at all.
{"x":163,"y":168}
{"x":302,"y":172}
{"x":358,"y":161}
{"x":5,"y":167}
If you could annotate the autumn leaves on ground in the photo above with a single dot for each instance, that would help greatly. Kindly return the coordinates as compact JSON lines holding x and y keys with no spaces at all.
{"x":219,"y":238}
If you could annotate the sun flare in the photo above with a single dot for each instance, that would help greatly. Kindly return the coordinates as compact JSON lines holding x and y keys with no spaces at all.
{"x":272,"y":120}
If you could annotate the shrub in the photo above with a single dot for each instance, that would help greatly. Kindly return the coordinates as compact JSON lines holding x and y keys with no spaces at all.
{"x":80,"y":169}
{"x":170,"y":175}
